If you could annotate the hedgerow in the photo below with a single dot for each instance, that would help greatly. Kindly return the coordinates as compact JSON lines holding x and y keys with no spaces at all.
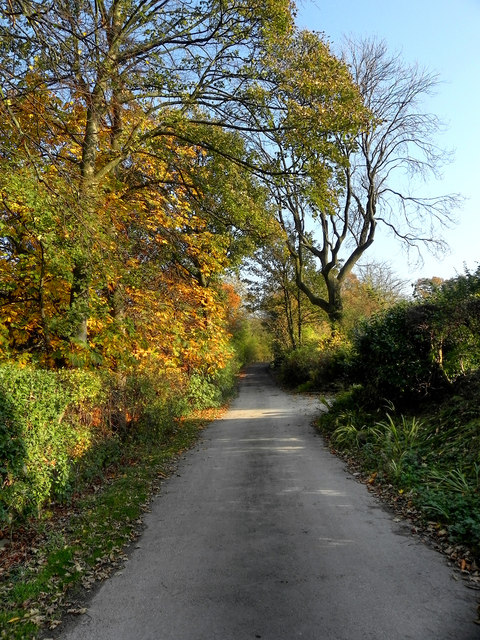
{"x":60,"y":430}
{"x":411,"y":420}
{"x":415,"y":349}
{"x":43,"y":432}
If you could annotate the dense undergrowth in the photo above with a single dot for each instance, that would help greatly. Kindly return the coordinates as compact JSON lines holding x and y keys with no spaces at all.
{"x":81,"y":450}
{"x":81,"y":453}
{"x":431,"y":456}
{"x":59,"y":430}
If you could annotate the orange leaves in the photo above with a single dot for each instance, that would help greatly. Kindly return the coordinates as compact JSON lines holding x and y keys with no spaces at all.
{"x":180,"y":326}
{"x":150,"y":233}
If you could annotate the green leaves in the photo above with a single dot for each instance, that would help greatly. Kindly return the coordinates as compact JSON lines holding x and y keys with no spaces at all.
{"x":415,"y":348}
{"x":38,"y":444}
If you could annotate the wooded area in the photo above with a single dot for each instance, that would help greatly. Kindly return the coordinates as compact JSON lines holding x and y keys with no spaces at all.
{"x":150,"y":148}
{"x":189,"y":185}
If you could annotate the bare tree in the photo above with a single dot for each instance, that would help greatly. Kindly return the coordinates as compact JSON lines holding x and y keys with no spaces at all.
{"x":373,"y":182}
{"x":382,"y":282}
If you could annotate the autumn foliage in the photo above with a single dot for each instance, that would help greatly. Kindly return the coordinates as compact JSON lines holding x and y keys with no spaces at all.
{"x":155,"y":258}
{"x":155,"y":241}
{"x":140,"y":146}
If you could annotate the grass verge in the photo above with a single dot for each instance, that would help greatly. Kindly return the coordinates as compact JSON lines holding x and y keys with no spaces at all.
{"x":84,"y":542}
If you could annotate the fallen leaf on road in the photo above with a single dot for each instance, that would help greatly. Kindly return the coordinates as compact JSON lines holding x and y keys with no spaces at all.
{"x":77,"y":612}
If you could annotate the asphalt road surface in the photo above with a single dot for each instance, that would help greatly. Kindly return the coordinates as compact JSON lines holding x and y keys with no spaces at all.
{"x":264,"y":534}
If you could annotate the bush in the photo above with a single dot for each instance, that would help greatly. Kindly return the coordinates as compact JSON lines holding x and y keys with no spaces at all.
{"x":212,"y":391}
{"x":393,"y":352}
{"x":297,"y":367}
{"x":226,"y":379}
{"x":152,"y":405}
{"x":333,"y":367}
{"x":203,"y":393}
{"x":38,"y":443}
{"x":417,"y":348}
{"x":59,"y":430}
{"x":435,"y":458}
{"x":457,"y":324}
{"x":251,"y":343}
{"x":323,"y":364}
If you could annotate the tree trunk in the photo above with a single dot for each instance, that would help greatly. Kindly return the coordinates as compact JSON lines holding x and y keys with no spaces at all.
{"x":79,"y":295}
{"x":79,"y":299}
{"x":335,"y":303}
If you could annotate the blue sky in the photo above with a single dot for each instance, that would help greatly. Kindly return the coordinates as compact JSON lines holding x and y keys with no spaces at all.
{"x":444,"y":37}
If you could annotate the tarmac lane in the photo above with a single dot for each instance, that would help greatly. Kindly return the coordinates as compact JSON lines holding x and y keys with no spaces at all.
{"x":263,"y":533}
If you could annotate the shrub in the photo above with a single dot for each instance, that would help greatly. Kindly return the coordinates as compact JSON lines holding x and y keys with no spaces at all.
{"x":38,"y":443}
{"x":297,"y":366}
{"x":392,"y":352}
{"x":203,"y":393}
{"x":457,"y":324}
{"x":323,"y":363}
{"x":333,"y":367}
{"x":251,"y":343}
{"x":206,"y":391}
{"x":416,"y":348}
{"x":60,"y":429}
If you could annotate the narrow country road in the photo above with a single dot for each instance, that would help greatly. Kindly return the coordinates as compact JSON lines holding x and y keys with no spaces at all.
{"x":264,"y":534}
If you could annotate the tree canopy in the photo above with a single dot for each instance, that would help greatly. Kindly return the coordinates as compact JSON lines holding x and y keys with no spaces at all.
{"x":147,"y":147}
{"x":350,"y":179}
{"x":122,"y":167}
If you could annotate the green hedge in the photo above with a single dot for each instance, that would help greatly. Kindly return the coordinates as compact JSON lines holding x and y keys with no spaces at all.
{"x":393,"y":353}
{"x":39,"y":440}
{"x":59,"y":430}
{"x":416,"y":348}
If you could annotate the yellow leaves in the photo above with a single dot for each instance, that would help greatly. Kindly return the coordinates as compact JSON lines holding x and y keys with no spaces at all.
{"x":80,"y":449}
{"x":149,"y":241}
{"x":16,"y":207}
{"x":180,"y":327}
